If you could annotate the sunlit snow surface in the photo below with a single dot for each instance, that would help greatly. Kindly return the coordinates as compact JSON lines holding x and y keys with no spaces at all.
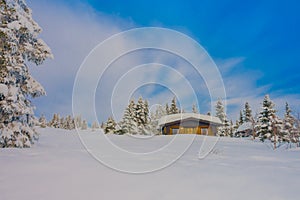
{"x":59,"y":167}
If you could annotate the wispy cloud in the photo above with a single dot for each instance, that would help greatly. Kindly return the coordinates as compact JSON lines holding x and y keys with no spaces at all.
{"x":72,"y":32}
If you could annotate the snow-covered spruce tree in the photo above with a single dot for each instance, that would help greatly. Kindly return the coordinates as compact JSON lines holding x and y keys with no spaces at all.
{"x":69,"y":123}
{"x":232,"y":129}
{"x":159,"y":113}
{"x":61,"y":123}
{"x":269,"y":126}
{"x":42,"y":122}
{"x":19,"y":44}
{"x":247,"y":113}
{"x":55,"y":121}
{"x":290,"y":133}
{"x":84,"y":125}
{"x":155,"y":117}
{"x":220,"y":111}
{"x":194,"y":109}
{"x":78,"y":121}
{"x":167,"y":109}
{"x":95,"y":126}
{"x":173,"y":108}
{"x":128,"y":125}
{"x":241,"y":118}
{"x":264,"y":125}
{"x":142,"y":116}
{"x":110,"y":126}
{"x":225,"y":129}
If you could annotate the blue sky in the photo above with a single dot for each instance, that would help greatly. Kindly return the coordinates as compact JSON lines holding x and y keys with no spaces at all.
{"x":255,"y":45}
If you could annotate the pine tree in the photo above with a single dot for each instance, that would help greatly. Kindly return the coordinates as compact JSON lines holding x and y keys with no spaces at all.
{"x":61,"y":123}
{"x":146,"y":112}
{"x":167,"y":109}
{"x":289,"y":126}
{"x":231,"y":129}
{"x":241,"y":118}
{"x":110,"y":126}
{"x":269,"y":126}
{"x":95,"y":126}
{"x":194,"y":109}
{"x":84,"y":125}
{"x":277,"y":130}
{"x":19,"y":44}
{"x":247,"y":113}
{"x":55,"y":122}
{"x":78,"y":122}
{"x":225,"y":129}
{"x":43,"y":122}
{"x":139,"y":110}
{"x":159,"y":113}
{"x":220,"y":111}
{"x":155,"y":117}
{"x":128,"y":125}
{"x":69,"y":123}
{"x":173,"y":109}
{"x":142,"y":114}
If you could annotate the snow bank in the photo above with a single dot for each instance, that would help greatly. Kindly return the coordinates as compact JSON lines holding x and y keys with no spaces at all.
{"x":59,"y":167}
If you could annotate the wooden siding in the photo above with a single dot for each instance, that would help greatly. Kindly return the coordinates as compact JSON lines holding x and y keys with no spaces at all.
{"x":189,"y":126}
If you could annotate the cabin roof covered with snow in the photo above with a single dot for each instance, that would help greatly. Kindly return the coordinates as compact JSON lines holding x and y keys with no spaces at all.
{"x":244,"y":127}
{"x":183,"y":116}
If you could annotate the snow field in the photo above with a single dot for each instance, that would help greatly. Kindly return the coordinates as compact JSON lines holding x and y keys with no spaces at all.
{"x":59,"y":167}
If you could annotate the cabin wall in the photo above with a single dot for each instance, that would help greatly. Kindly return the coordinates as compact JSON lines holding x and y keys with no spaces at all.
{"x":200,"y":129}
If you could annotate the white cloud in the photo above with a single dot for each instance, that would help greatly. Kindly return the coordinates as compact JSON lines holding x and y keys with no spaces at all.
{"x":71,"y":33}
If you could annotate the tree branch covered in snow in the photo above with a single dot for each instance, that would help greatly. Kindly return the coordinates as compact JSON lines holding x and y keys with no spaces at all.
{"x":19,"y":44}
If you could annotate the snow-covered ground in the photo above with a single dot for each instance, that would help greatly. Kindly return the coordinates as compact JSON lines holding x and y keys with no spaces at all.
{"x":59,"y":167}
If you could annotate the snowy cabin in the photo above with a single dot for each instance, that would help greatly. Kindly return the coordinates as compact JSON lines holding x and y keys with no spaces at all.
{"x":244,"y":130}
{"x":189,"y":123}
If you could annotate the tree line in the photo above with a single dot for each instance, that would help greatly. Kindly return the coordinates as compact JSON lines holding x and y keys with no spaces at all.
{"x":265,"y":125}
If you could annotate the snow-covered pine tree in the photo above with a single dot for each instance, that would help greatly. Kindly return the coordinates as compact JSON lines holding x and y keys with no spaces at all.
{"x":278,"y":134}
{"x":241,"y":118}
{"x":155,"y":117}
{"x":55,"y":121}
{"x":67,"y":123}
{"x":268,"y":124}
{"x":139,"y":112}
{"x":78,"y":121}
{"x":194,"y":109}
{"x":110,"y":126}
{"x":142,"y":115}
{"x":84,"y":125}
{"x":159,"y":112}
{"x":61,"y":123}
{"x":147,"y":121}
{"x":247,"y":113}
{"x":235,"y":126}
{"x":19,"y":44}
{"x":220,"y":111}
{"x":72,"y":123}
{"x":231,"y":129}
{"x":128,"y":125}
{"x":173,"y":108}
{"x":167,"y":109}
{"x":95,"y":126}
{"x":290,"y":133}
{"x":225,"y":129}
{"x":43,"y":121}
